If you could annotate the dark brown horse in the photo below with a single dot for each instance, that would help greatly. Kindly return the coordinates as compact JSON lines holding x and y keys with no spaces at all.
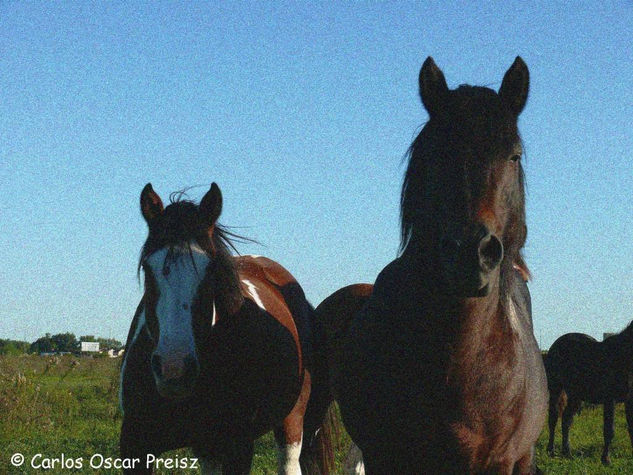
{"x":219,"y":352}
{"x":579,"y":368}
{"x":437,"y":370}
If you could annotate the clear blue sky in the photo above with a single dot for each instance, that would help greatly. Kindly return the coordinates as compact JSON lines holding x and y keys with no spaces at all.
{"x":301,"y":112}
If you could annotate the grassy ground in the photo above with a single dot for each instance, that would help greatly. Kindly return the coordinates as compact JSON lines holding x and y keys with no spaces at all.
{"x":68,"y":405}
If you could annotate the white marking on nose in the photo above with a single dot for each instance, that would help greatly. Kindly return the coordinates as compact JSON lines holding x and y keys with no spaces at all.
{"x":252,"y":291}
{"x":177,"y":291}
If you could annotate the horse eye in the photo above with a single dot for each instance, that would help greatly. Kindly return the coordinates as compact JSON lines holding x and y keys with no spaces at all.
{"x":516,"y":157}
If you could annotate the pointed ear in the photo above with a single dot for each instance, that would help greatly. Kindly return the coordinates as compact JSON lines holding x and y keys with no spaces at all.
{"x":515,"y":86}
{"x":433,"y":88}
{"x":151,"y":204}
{"x":211,"y":205}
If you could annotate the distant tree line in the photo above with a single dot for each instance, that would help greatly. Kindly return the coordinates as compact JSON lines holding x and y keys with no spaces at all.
{"x":58,"y":343}
{"x":13,"y":347}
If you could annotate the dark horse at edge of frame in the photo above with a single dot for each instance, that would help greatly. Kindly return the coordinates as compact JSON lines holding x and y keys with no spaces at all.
{"x":220,"y":351}
{"x":437,"y":369}
{"x":579,"y":368}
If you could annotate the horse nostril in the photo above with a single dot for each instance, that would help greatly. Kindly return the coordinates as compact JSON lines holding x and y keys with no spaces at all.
{"x":156,"y":366}
{"x":490,"y":252}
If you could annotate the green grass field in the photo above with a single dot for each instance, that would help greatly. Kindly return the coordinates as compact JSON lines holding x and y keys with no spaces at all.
{"x":67,"y":405}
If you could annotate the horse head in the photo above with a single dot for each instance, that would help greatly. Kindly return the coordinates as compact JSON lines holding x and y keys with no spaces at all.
{"x":179,"y":259}
{"x":463,"y":203}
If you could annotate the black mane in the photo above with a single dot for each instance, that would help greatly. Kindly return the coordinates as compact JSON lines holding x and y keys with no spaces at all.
{"x":180,"y":224}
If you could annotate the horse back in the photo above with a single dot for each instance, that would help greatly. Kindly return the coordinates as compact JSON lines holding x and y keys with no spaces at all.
{"x":582,"y":366}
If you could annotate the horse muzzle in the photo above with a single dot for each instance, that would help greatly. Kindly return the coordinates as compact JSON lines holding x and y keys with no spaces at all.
{"x":175,"y":377}
{"x":469,"y":260}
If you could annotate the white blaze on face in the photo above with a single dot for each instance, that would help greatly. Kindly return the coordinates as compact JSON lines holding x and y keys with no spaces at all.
{"x":177,"y":281}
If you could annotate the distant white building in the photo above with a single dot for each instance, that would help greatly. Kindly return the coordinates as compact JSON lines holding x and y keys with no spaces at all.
{"x":90,"y":347}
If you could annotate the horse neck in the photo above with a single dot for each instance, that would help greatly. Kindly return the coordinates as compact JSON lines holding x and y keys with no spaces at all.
{"x":482,"y":323}
{"x":229,"y":298}
{"x":622,"y":348}
{"x":456,"y":318}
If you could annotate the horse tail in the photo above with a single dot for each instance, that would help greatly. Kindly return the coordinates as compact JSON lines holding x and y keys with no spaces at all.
{"x":558,"y":395}
{"x":561,"y":403}
{"x":353,"y":463}
{"x":318,"y":449}
{"x":551,"y":361}
{"x":321,"y":427}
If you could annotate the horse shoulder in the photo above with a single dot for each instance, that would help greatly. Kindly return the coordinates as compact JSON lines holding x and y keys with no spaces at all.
{"x":257,"y":285}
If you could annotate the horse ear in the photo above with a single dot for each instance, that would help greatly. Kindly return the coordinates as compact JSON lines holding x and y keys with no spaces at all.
{"x":515,"y":86}
{"x":433,"y":88}
{"x":151,"y":204}
{"x":211,"y":205}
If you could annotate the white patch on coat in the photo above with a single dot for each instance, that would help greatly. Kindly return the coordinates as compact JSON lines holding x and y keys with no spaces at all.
{"x":140,"y":325}
{"x":353,"y":463}
{"x":177,"y":281}
{"x":252,"y":291}
{"x":288,"y":459}
{"x":513,"y":317}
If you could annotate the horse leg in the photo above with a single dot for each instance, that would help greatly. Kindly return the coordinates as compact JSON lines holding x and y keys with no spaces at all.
{"x":374,"y":464}
{"x":319,"y":427}
{"x":554,"y":413}
{"x":138,"y":439}
{"x":526,"y":465}
{"x":289,"y":435}
{"x":210,"y":466}
{"x":238,"y":458}
{"x":628,"y":407}
{"x":607,"y":431}
{"x":353,"y":463}
{"x":568,"y":417}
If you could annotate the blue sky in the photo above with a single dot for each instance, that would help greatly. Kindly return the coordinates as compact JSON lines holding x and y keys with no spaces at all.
{"x":301,"y":112}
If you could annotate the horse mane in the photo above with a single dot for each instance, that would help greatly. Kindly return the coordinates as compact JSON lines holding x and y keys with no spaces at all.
{"x":628,"y":331}
{"x":620,"y":347}
{"x":179,"y":226}
{"x":476,"y":118}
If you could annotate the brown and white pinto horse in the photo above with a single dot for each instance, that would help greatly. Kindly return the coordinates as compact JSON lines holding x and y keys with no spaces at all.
{"x":220,"y":349}
{"x":436,"y":369}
